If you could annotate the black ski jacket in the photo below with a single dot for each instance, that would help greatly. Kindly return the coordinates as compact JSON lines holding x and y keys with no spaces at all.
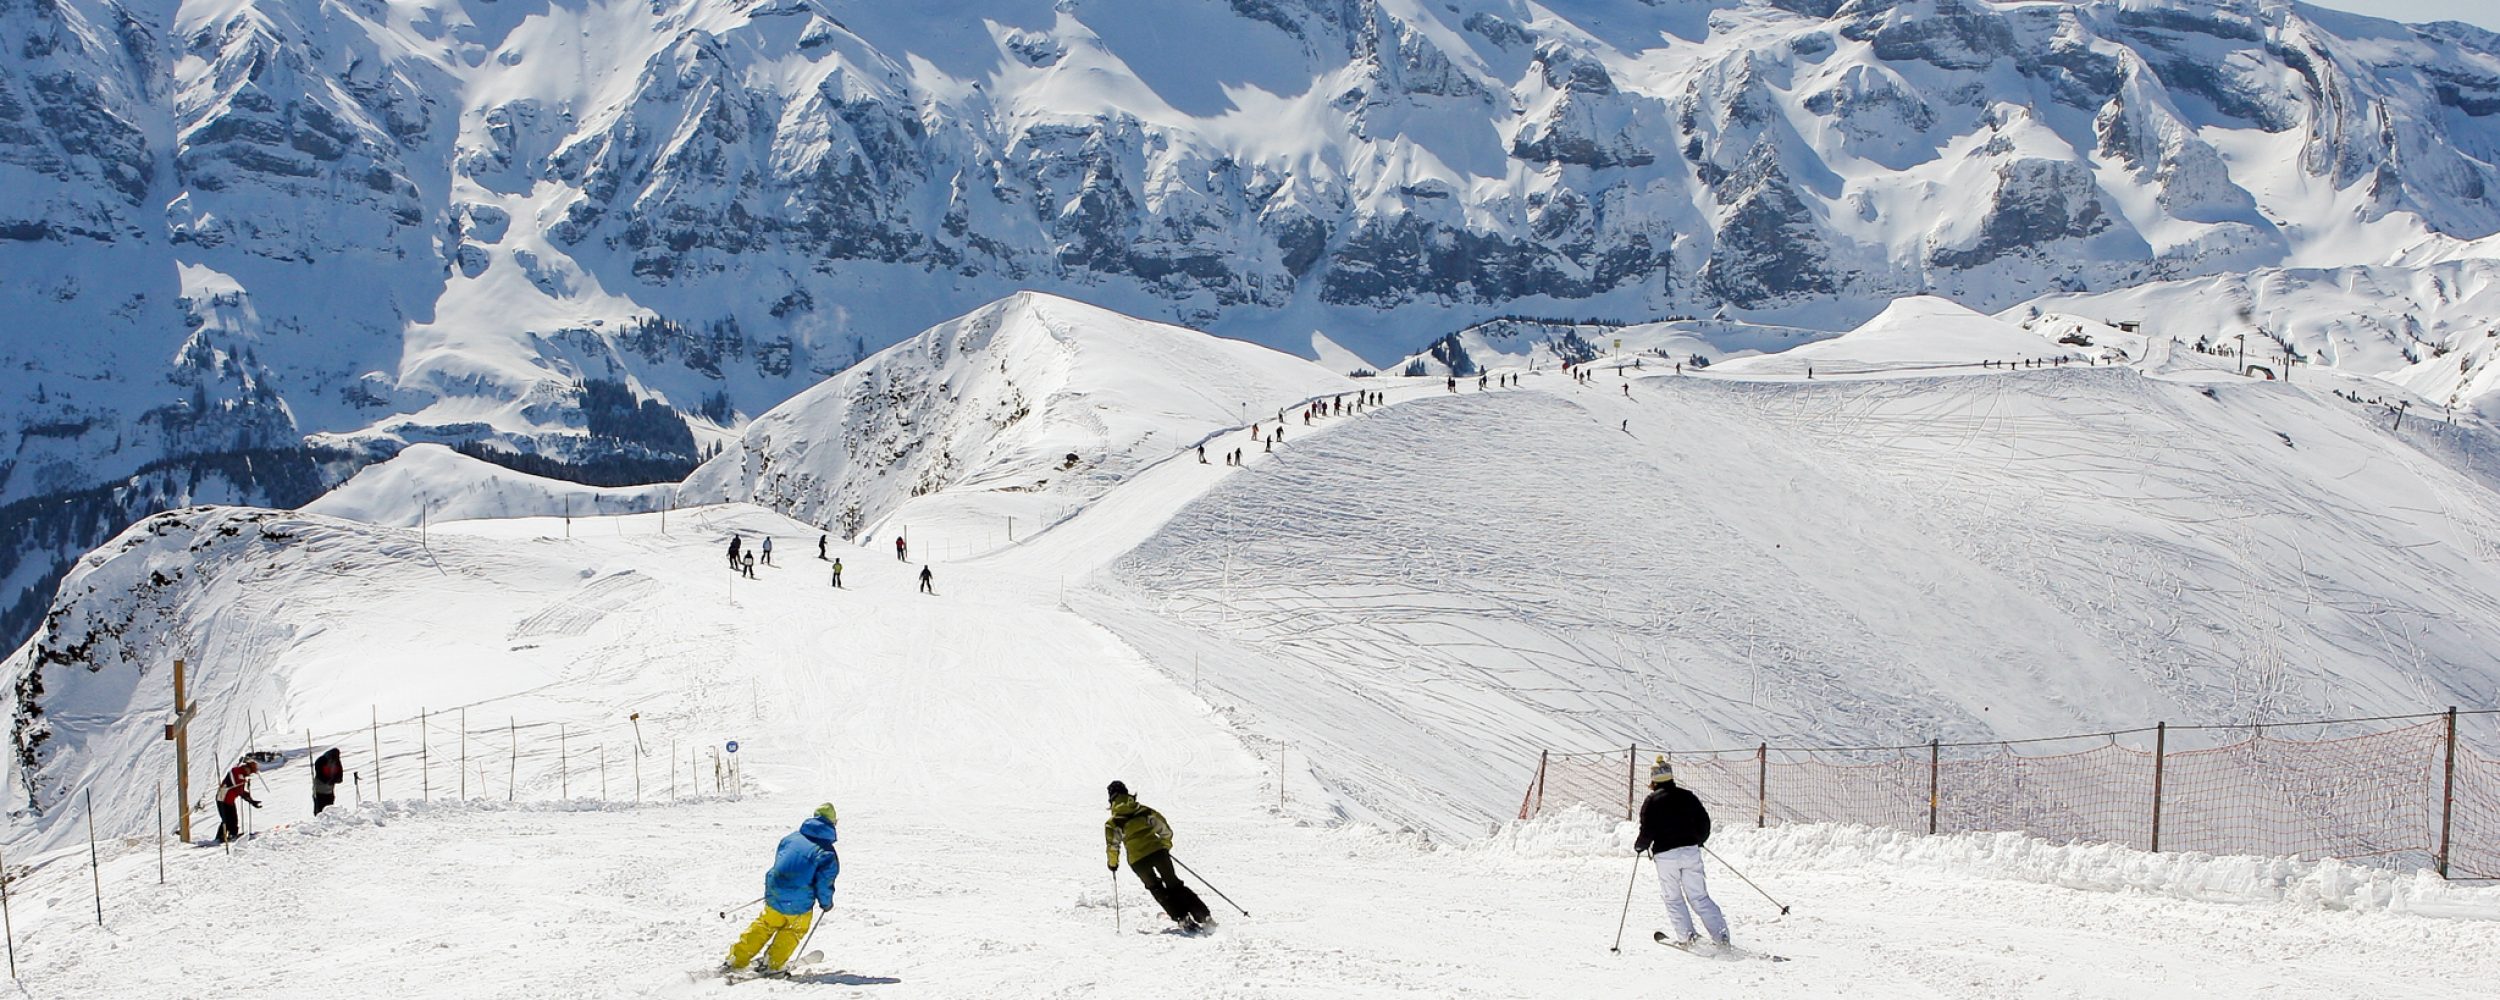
{"x":1671,"y":818}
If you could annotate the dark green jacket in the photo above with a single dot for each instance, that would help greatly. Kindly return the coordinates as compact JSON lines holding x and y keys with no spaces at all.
{"x":1141,"y":829}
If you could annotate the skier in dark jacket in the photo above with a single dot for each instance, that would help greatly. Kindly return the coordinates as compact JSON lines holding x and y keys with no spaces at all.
{"x":1149,"y":842}
{"x":733,"y":552}
{"x":327,"y":773}
{"x":928,"y":581}
{"x":1673,"y":827}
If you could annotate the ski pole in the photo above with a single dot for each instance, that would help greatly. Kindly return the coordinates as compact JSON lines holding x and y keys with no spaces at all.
{"x":1219,"y":893}
{"x":1115,"y":901}
{"x":724,"y":911}
{"x":800,"y":952}
{"x":1627,"y":903}
{"x":1714,"y":856}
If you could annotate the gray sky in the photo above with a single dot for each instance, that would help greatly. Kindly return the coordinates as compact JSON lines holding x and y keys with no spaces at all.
{"x":2482,"y":12}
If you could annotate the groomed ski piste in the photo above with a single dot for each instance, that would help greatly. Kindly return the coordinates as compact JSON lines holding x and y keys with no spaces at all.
{"x":1354,"y":803}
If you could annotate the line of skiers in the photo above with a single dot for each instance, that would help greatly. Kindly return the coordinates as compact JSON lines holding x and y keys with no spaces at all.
{"x":742,"y":559}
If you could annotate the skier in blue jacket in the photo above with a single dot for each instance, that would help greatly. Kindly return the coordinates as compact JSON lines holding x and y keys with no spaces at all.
{"x":799,"y":884}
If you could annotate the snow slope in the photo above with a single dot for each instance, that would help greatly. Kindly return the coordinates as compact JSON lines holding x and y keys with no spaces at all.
{"x":1372,"y":627}
{"x":965,"y":738}
{"x":1035,"y":402}
{"x":1424,"y":598}
{"x":1919,"y":332}
{"x":432,"y":481}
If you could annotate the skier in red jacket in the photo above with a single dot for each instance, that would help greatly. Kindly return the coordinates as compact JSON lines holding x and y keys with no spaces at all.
{"x":238,"y":785}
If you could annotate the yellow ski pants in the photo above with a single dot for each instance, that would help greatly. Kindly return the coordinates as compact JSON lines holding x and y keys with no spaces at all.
{"x":781,"y":931}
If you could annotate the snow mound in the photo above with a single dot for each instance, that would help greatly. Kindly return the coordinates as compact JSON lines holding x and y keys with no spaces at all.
{"x":1917,"y":332}
{"x":2287,"y":883}
{"x":1032,"y":394}
{"x":432,"y":481}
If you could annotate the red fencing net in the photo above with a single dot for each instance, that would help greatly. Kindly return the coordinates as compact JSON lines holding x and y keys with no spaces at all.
{"x":2409,"y":796}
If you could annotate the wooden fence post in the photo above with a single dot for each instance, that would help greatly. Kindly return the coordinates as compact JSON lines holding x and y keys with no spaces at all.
{"x":1933,"y":756}
{"x":512,"y":778}
{"x":464,"y":755}
{"x":2448,"y":791}
{"x":1543,"y":761}
{"x":1762,"y":786}
{"x":179,"y":731}
{"x":2161,"y":748}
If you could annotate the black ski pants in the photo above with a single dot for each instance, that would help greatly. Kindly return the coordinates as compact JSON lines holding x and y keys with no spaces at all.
{"x":1178,"y":901}
{"x":229,"y":825}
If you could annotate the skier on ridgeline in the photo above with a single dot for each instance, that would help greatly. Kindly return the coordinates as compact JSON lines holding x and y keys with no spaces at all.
{"x":768,"y":550}
{"x":799,"y":885}
{"x":236,"y":785}
{"x":820,"y":546}
{"x":837,"y":573}
{"x":1149,"y":842}
{"x":327,"y":773}
{"x":1674,"y":825}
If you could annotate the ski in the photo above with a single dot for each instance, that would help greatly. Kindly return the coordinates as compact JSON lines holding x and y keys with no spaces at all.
{"x":1729,"y":952}
{"x":748,"y":974}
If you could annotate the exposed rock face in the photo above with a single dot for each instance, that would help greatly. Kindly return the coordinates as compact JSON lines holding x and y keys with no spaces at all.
{"x":230,"y":229}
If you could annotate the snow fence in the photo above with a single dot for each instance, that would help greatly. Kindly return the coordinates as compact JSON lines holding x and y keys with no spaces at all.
{"x":2401,"y":793}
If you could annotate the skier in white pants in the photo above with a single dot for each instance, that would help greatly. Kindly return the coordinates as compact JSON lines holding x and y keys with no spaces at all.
{"x":1673,"y":827}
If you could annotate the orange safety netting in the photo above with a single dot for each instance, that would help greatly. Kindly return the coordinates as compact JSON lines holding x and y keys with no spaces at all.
{"x":2385,"y":798}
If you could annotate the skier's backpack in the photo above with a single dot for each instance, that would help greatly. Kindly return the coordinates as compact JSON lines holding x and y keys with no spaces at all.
{"x":328,"y":768}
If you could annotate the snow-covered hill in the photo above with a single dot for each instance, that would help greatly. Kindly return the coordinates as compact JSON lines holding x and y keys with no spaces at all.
{"x":1037,"y":402}
{"x":283,"y":238}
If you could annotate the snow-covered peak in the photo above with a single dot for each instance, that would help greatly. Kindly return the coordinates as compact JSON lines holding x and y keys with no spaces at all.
{"x":432,"y":482}
{"x":1032,"y":394}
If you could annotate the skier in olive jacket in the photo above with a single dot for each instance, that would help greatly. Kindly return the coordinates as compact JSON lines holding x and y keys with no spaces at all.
{"x":1673,"y":827}
{"x":1149,"y":842}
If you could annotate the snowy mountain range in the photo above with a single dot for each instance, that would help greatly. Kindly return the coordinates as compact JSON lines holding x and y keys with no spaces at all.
{"x":247,"y":246}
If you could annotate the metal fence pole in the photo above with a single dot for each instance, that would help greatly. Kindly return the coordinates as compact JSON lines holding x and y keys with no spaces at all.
{"x":377,"y":752}
{"x":1762,"y":786}
{"x":564,"y":766}
{"x":464,"y":755}
{"x":95,"y":864}
{"x":1933,"y":755}
{"x":425,"y":765}
{"x":1631,"y":781}
{"x":2448,"y":791}
{"x":2161,"y":747}
{"x":8,"y":927}
{"x":512,"y":778}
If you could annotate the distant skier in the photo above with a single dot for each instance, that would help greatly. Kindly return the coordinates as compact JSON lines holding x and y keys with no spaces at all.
{"x":768,"y":550}
{"x":1202,"y":454}
{"x":748,"y":567}
{"x":928,"y":582}
{"x":799,"y":885}
{"x":1453,"y":383}
{"x":837,"y":573}
{"x":820,"y":546}
{"x":733,"y":552}
{"x":902,"y":550}
{"x":237,"y":785}
{"x":1149,"y":842}
{"x":1673,"y":827}
{"x":327,"y":773}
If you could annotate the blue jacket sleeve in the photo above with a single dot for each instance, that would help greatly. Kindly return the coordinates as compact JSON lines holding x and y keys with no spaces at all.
{"x":827,"y":869}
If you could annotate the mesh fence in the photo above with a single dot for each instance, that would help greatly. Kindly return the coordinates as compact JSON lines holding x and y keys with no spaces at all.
{"x":2402,"y":793}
